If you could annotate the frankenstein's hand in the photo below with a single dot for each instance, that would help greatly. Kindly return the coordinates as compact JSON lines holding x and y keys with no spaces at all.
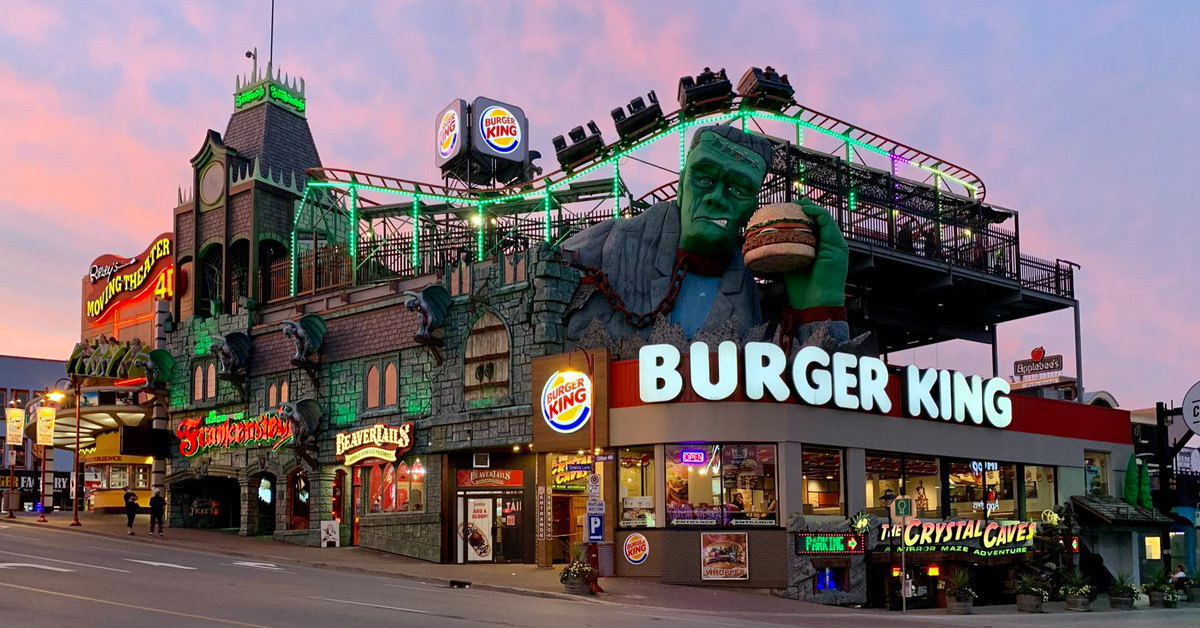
{"x":823,"y":284}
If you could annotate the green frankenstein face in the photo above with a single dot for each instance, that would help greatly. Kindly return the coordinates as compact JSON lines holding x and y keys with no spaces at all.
{"x":718,"y":193}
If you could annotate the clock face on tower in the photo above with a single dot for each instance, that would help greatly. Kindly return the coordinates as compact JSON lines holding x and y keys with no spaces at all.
{"x":212,"y":183}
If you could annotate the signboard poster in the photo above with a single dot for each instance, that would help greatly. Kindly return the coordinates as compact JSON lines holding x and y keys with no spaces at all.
{"x":477,"y":531}
{"x":724,"y":556}
{"x":16,"y":425}
{"x":45,"y":426}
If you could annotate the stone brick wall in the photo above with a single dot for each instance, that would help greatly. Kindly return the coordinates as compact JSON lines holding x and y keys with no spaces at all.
{"x":240,"y":215}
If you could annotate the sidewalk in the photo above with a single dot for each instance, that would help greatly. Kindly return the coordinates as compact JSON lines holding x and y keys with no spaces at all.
{"x":521,"y":579}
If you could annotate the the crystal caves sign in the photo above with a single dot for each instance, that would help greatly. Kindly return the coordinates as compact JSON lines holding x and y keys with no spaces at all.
{"x":235,"y":429}
{"x":977,"y":537}
{"x":375,"y":443}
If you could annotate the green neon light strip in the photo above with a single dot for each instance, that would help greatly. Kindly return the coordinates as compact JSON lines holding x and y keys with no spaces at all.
{"x":546,"y":209}
{"x":284,"y":96}
{"x":249,"y":96}
{"x":354,"y":234}
{"x":616,"y":188}
{"x":416,"y":234}
{"x":479,"y":232}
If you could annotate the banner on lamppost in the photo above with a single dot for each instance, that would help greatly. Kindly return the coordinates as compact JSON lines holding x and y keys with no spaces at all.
{"x":45,"y":426}
{"x":16,"y":424}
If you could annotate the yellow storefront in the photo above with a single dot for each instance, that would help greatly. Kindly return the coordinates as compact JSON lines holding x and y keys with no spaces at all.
{"x":107,"y":473}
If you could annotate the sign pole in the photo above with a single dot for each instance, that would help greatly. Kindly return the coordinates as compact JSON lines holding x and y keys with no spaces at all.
{"x":78,"y":462}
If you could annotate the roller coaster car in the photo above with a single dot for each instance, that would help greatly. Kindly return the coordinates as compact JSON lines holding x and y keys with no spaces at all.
{"x":765,"y":89}
{"x":642,"y":120}
{"x":708,"y":92}
{"x":584,"y":146}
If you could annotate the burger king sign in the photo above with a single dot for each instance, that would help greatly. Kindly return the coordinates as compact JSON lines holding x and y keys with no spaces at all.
{"x":447,"y":134}
{"x":450,"y":131}
{"x":498,"y":130}
{"x":567,"y":401}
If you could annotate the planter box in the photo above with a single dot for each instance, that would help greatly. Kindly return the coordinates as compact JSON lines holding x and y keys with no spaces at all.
{"x":1080,"y":604}
{"x":959,"y":607}
{"x":1029,"y":603}
{"x":1193,"y":595}
{"x":1156,"y":598}
{"x":1121,"y":603}
{"x":577,"y":586}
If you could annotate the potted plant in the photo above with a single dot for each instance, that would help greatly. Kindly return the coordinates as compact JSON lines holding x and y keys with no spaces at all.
{"x":1032,"y":591}
{"x":1078,"y":591}
{"x":1192,"y":584}
{"x":1122,"y":594}
{"x":960,"y":597}
{"x":1171,"y":597}
{"x":1156,"y":587}
{"x":577,"y":577}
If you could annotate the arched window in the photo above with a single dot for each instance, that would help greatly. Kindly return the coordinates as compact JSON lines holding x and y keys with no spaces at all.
{"x":210,"y":384}
{"x":198,"y":383}
{"x":485,"y":376}
{"x":272,"y":399}
{"x":372,"y":387}
{"x":389,"y":384}
{"x":284,"y":397}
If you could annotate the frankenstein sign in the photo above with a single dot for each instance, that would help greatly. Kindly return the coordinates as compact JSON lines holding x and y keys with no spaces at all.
{"x":374,"y":444}
{"x":976,"y":537}
{"x":809,"y":543}
{"x":235,"y":429}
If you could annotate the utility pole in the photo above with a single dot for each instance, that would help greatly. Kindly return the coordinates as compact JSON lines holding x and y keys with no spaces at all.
{"x":1166,"y":472}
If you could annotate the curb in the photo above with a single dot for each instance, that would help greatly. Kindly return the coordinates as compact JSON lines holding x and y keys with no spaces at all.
{"x":316,"y":563}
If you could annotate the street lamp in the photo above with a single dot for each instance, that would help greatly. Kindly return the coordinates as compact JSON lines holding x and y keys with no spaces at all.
{"x":58,"y":397}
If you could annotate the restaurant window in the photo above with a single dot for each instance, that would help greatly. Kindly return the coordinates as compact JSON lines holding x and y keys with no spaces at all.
{"x":118,"y":476}
{"x":727,"y":484}
{"x":298,"y":506}
{"x":903,"y":474}
{"x":1095,"y":472}
{"x":372,"y":387}
{"x":141,"y":476}
{"x":389,"y":384}
{"x":210,"y":381}
{"x":398,"y":487}
{"x":1039,"y":483}
{"x":982,"y":489}
{"x":636,"y":478}
{"x":822,"y":481}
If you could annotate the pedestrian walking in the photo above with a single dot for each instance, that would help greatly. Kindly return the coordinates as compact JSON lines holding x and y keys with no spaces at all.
{"x":158,"y":506}
{"x":131,"y":508}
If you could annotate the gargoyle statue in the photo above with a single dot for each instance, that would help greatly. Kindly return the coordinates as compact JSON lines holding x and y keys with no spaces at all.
{"x":307,"y":335}
{"x":304,"y":417}
{"x":433,"y":302}
{"x":232,"y":351}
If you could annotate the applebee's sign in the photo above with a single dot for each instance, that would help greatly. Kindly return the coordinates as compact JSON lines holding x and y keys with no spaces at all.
{"x":378,"y":442}
{"x":818,"y":378}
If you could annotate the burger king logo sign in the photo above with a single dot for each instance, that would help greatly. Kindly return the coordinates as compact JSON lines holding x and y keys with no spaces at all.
{"x":499,"y":129}
{"x":567,"y":401}
{"x":447,"y":133}
{"x":637,"y":548}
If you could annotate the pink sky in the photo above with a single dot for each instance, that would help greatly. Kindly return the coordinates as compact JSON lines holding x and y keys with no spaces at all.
{"x":1076,"y":115}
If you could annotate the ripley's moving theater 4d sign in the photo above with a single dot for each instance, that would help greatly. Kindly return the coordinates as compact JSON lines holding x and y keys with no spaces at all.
{"x":113,"y":281}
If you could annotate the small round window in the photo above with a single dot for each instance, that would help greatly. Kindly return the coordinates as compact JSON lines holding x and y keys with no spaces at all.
{"x":212,"y":183}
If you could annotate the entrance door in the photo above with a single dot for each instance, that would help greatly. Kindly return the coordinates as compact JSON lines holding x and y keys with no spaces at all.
{"x":570,"y":512}
{"x":490,"y":527}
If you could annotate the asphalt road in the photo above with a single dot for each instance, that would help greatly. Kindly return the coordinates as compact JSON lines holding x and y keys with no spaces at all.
{"x":53,"y":578}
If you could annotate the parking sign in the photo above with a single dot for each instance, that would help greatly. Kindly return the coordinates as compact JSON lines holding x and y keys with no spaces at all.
{"x":595,"y":528}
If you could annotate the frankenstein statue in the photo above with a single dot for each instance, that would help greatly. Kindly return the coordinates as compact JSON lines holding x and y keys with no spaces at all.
{"x":682,"y":260}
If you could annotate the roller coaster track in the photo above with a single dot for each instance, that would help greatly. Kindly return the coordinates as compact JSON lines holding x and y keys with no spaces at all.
{"x":673,"y":125}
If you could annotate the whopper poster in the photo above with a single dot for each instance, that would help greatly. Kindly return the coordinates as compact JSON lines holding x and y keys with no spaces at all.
{"x":724,"y":556}
{"x":477,"y":530}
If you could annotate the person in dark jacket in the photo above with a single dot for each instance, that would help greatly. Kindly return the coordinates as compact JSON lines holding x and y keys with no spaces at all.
{"x":131,"y":508}
{"x":158,"y":507}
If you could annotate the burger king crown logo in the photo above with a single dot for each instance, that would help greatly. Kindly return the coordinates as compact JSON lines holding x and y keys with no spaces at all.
{"x":447,"y":133}
{"x":637,"y":548}
{"x":500,"y":129}
{"x":567,"y":401}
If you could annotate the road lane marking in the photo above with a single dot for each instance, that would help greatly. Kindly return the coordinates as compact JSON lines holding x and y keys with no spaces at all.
{"x":390,"y":608}
{"x":135,"y":606}
{"x":725,"y":622}
{"x":65,"y":562}
{"x":457,"y":592}
{"x":109,"y":549}
{"x":157,"y":564}
{"x":21,"y":538}
{"x":31,"y":566}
